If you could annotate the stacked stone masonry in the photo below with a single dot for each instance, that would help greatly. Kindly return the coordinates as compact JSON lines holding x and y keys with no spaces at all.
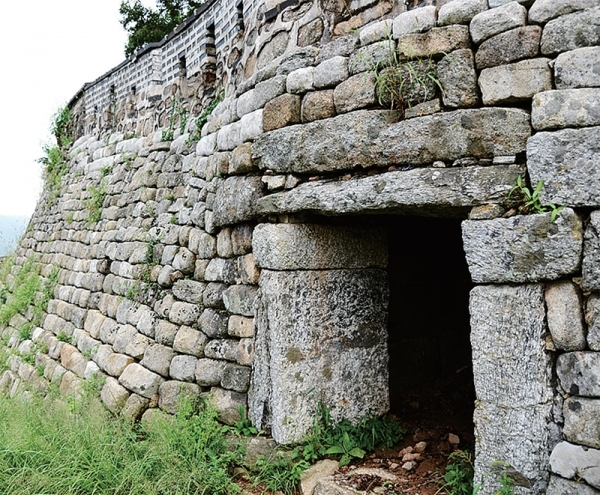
{"x":215,"y":270}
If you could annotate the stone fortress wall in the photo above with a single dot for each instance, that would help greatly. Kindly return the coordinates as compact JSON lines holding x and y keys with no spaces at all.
{"x":221,"y":263}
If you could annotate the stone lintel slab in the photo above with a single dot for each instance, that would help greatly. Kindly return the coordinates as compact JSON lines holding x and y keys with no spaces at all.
{"x":512,"y":375}
{"x":287,"y":246}
{"x":372,"y":139}
{"x":523,"y":248}
{"x":321,"y":337}
{"x":448,"y":192}
{"x":338,"y":143}
{"x":568,"y":164}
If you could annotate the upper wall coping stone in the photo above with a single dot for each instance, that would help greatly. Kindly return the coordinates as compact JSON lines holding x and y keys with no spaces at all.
{"x":523,"y":248}
{"x":287,"y":246}
{"x":445,"y":192}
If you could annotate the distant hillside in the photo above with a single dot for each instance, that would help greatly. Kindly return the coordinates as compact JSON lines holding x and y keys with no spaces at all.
{"x":11,"y":229}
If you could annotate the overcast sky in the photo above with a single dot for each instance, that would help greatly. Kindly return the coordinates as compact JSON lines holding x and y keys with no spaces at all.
{"x":48,"y":50}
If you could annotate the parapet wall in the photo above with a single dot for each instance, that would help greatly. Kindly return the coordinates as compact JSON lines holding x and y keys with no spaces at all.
{"x":209,"y":263}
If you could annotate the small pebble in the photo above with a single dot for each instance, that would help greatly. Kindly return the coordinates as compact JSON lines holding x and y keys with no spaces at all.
{"x":393,"y":466}
{"x":404,"y":451}
{"x":420,"y":447}
{"x":439,"y":164}
{"x":411,"y":457}
{"x":453,"y":439}
{"x":409,"y":465}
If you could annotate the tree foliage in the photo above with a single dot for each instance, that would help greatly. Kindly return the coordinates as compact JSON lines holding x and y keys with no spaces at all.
{"x":146,"y":25}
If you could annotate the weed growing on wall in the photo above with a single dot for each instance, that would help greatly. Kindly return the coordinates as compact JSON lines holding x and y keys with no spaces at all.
{"x":26,"y":290}
{"x":55,"y":160}
{"x":531,"y":199}
{"x":400,"y":84}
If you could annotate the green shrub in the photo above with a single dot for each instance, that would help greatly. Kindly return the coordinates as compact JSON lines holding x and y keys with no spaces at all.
{"x":51,"y":447}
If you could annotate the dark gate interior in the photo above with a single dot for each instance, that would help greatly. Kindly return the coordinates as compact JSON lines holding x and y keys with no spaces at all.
{"x":431,"y":380}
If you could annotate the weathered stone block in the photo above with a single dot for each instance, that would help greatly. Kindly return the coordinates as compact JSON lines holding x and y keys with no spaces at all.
{"x":262,"y":93}
{"x":236,"y":198}
{"x":433,"y":42}
{"x":460,"y":11}
{"x":566,"y":108}
{"x":241,"y":160}
{"x":561,"y":486}
{"x":140,"y":381}
{"x":507,"y":329}
{"x":281,"y":111}
{"x":516,"y":44}
{"x":523,"y":248}
{"x":157,"y":358}
{"x":570,"y":461}
{"x":209,"y":372}
{"x":512,"y":374}
{"x":579,"y":373}
{"x":171,"y":393}
{"x":227,"y":404}
{"x":183,"y":368}
{"x":213,"y":295}
{"x":300,"y":81}
{"x":251,"y":125}
{"x":578,"y":68}
{"x":165,"y":332}
{"x":568,"y":164}
{"x":366,"y":138}
{"x":414,"y":21}
{"x":369,"y":57}
{"x":301,"y":310}
{"x":495,"y":21}
{"x":456,"y":73}
{"x":236,"y":377}
{"x":354,"y":93}
{"x":442,"y":192}
{"x":240,"y":326}
{"x":190,"y":341}
{"x":582,"y":421}
{"x":565,"y":319}
{"x":375,"y":32}
{"x":519,"y":437}
{"x":214,"y":323}
{"x":592,"y":318}
{"x":114,"y":395}
{"x":240,"y":299}
{"x":572,"y":31}
{"x":514,"y":82}
{"x":184,"y":313}
{"x":331,"y":72}
{"x":287,"y":246}
{"x":189,"y":291}
{"x":545,"y":10}
{"x":317,"y":105}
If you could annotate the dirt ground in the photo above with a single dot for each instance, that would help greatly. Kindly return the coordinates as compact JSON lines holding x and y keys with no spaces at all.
{"x":438,"y":421}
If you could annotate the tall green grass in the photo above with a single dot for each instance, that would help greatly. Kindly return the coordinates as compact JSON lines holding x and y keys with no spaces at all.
{"x":55,"y":448}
